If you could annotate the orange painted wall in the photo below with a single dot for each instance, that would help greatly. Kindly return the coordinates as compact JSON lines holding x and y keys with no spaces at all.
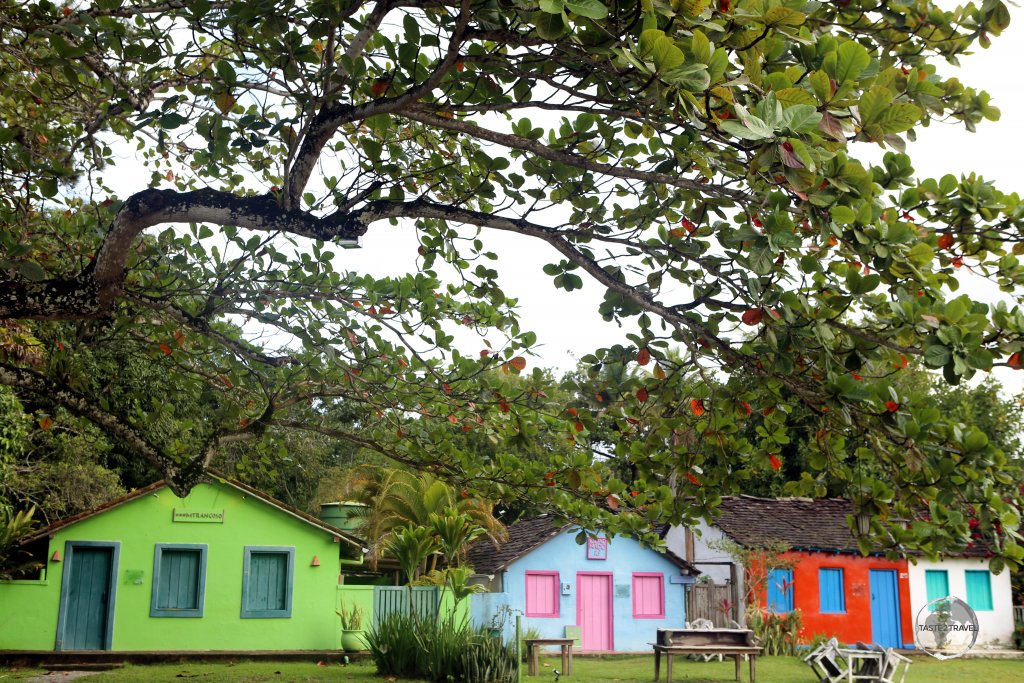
{"x":855,"y":624}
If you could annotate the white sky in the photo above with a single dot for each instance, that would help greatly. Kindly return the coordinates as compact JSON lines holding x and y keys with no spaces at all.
{"x":567,"y":323}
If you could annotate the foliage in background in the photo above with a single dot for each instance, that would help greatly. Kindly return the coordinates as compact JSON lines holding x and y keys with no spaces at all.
{"x":15,"y":562}
{"x":702,"y":165}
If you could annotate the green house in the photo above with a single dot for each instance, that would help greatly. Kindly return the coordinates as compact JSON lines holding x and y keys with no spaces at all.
{"x":226,"y":568}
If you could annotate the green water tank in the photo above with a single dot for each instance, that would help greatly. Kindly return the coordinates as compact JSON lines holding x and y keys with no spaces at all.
{"x":347,"y":515}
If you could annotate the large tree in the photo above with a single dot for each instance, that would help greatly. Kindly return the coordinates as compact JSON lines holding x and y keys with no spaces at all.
{"x":705,"y":164}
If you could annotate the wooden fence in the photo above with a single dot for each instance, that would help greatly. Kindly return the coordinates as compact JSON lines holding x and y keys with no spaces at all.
{"x":395,"y":599}
{"x":711,"y":601}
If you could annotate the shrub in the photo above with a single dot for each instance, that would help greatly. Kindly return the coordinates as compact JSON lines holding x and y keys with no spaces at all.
{"x":444,"y":650}
{"x":778,"y":633}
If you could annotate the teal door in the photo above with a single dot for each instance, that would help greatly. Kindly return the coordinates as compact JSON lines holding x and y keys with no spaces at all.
{"x":885,"y":608}
{"x":87,"y":596}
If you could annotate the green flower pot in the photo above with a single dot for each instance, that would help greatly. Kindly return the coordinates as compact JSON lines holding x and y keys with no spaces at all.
{"x":352,"y":640}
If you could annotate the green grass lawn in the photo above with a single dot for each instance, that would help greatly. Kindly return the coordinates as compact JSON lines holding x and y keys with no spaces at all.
{"x":631,"y":669}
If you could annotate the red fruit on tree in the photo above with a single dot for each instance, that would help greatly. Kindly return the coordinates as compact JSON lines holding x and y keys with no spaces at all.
{"x":752,"y":316}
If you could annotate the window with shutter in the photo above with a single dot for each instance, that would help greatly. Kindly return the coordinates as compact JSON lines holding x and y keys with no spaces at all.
{"x":179,"y":580}
{"x":831,"y":591}
{"x":936,"y":585}
{"x":542,"y":594}
{"x":267,"y":582}
{"x":979,"y":589}
{"x":780,"y":591}
{"x":648,"y":595}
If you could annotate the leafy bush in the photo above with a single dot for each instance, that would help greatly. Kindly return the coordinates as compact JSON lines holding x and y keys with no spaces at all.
{"x":778,"y":633}
{"x":443,"y":650}
{"x":1018,"y":637}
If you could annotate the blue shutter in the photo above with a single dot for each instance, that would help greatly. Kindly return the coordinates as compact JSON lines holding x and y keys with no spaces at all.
{"x":179,"y":580}
{"x":267,"y":582}
{"x":936,"y":585}
{"x":979,"y":589}
{"x":780,"y":590}
{"x":830,"y":589}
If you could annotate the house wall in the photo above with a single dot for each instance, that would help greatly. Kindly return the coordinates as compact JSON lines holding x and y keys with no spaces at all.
{"x":625,"y":556}
{"x":855,"y":624}
{"x":995,"y":625}
{"x":29,"y":610}
{"x":713,"y":562}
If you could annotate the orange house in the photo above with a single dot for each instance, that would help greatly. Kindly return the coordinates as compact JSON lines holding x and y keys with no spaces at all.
{"x":838,"y":591}
{"x":849,"y":596}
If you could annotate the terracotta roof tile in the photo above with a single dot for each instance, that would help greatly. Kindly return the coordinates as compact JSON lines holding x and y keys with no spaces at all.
{"x":800,"y":523}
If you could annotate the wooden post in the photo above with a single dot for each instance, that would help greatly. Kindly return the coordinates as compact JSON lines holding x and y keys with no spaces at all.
{"x":519,"y":648}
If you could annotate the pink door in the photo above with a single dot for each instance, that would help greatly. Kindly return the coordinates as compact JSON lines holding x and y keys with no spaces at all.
{"x":594,"y":610}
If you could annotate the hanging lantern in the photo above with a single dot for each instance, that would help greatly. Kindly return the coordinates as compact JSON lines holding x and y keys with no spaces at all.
{"x":863,"y":520}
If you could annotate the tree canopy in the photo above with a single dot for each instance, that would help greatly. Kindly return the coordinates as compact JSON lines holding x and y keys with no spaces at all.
{"x":711,"y":166}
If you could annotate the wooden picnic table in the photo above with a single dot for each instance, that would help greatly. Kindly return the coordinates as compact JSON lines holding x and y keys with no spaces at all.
{"x":533,"y":646}
{"x":735,"y":651}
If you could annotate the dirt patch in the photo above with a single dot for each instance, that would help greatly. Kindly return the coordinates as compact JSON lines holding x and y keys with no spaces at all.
{"x":60,"y":676}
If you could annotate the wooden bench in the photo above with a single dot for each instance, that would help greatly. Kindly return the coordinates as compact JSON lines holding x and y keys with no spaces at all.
{"x":732,"y":642}
{"x":533,"y":646}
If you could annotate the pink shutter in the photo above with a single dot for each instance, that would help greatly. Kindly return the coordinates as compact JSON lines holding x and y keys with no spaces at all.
{"x":542,"y":598}
{"x":648,"y":595}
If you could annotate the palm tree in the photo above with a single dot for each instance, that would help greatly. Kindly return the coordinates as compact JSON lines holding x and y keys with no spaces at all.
{"x":397,"y":498}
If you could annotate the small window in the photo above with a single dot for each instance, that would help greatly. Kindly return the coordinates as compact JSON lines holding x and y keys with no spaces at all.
{"x":648,"y":595}
{"x":936,"y":585}
{"x":979,"y":589}
{"x":832,"y":591}
{"x":267,"y":582}
{"x":179,"y":580}
{"x":542,"y":599}
{"x":780,"y":591}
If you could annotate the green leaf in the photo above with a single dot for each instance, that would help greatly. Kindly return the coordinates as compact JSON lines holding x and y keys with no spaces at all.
{"x":792,"y":96}
{"x":592,"y":9}
{"x":552,"y":6}
{"x":661,"y":50}
{"x":851,"y":60}
{"x":784,"y":16}
{"x":549,"y":26}
{"x":899,"y":117}
{"x":937,"y":356}
{"x":692,"y":77}
{"x":801,"y":118}
{"x":700,"y":47}
{"x":843,"y":215}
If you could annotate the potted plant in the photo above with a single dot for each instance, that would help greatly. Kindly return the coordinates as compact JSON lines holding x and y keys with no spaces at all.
{"x":352,"y":628}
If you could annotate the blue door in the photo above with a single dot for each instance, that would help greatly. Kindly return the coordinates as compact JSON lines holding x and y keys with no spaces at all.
{"x":87,"y":596}
{"x":885,"y":608}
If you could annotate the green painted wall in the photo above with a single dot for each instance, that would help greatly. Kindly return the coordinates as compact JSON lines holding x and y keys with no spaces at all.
{"x":28,"y":610}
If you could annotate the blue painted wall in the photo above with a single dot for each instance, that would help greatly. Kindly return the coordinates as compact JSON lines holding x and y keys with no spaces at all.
{"x":563,"y":555}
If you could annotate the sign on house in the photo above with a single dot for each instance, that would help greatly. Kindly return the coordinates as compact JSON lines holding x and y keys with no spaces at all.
{"x":209,"y":516}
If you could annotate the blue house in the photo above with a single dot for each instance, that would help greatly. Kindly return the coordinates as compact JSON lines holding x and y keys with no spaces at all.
{"x":617,"y":593}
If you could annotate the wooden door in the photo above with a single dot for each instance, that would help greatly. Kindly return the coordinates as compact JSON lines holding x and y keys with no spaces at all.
{"x":594,"y":613}
{"x":885,"y":608}
{"x":87,"y":597}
